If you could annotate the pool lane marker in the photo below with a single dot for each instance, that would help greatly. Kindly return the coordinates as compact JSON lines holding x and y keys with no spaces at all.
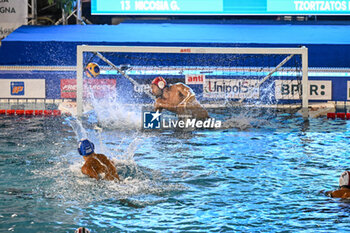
{"x":338,"y":115}
{"x":22,"y":112}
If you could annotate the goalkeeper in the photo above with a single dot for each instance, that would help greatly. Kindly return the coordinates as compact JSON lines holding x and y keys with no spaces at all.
{"x":177,"y":98}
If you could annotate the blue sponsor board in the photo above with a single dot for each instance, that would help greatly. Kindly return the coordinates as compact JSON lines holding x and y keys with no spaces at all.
{"x":17,"y":88}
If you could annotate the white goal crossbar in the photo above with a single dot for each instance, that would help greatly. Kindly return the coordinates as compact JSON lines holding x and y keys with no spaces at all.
{"x":303,"y":51}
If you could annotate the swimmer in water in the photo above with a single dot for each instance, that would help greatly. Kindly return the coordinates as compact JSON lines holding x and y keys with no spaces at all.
{"x":178,"y":98}
{"x":344,"y":187}
{"x":96,"y":166}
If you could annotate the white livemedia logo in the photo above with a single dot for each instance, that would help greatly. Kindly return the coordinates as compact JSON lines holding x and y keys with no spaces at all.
{"x":210,"y":123}
{"x":156,"y":120}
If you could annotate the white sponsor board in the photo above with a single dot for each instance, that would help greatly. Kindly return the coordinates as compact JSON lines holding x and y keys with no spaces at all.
{"x":13,"y":14}
{"x":22,"y":88}
{"x":291,"y":90}
{"x":142,"y":88}
{"x":231,"y":88}
{"x":195,"y":78}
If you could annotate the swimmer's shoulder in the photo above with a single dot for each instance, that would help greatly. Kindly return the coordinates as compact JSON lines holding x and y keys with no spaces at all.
{"x":88,"y":163}
{"x":180,"y":85}
{"x":93,"y":161}
{"x":101,"y":156}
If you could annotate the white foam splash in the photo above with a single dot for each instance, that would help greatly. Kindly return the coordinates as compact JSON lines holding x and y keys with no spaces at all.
{"x":112,"y":114}
{"x":78,"y":128}
{"x":68,"y":184}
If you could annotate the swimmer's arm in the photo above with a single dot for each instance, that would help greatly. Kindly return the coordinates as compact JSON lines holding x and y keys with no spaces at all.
{"x":346,"y":195}
{"x":158,"y":105}
{"x":89,"y":171}
{"x":111,"y":166}
{"x":187,"y":92}
{"x":338,"y":194}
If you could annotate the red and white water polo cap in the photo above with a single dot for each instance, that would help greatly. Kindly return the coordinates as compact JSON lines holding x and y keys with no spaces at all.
{"x":344,"y":179}
{"x":160,"y":82}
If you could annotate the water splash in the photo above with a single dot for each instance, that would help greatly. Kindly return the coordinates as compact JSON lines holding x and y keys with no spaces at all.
{"x":64,"y":181}
{"x":110,"y":113}
{"x":68,"y":184}
{"x":77,"y":127}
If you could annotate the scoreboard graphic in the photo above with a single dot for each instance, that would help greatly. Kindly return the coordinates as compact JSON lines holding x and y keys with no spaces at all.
{"x":219,"y":7}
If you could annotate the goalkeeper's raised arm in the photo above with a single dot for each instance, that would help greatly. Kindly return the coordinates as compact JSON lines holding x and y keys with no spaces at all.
{"x":178,"y":98}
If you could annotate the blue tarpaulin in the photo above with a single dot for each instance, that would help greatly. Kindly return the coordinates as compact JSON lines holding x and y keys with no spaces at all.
{"x":329,"y":45}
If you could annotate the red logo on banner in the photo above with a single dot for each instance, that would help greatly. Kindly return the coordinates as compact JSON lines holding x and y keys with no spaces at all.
{"x":185,"y":50}
{"x":195,"y":79}
{"x":97,"y":88}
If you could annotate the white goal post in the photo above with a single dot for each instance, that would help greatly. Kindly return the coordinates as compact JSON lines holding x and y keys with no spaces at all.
{"x":302,"y":51}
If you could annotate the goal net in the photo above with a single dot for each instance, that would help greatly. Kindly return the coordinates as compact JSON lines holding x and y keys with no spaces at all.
{"x":220,"y":77}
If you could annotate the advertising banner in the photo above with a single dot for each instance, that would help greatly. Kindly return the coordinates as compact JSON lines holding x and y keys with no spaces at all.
{"x":348,"y":90}
{"x":291,"y":90}
{"x":22,"y":88}
{"x":231,"y":88}
{"x":97,"y":88}
{"x":194,"y":79}
{"x":13,"y":14}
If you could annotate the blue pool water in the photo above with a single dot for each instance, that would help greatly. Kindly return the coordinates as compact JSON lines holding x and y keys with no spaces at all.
{"x":263,"y":178}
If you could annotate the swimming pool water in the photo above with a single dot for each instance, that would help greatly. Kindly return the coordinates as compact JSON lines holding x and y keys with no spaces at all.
{"x":265,"y":178}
